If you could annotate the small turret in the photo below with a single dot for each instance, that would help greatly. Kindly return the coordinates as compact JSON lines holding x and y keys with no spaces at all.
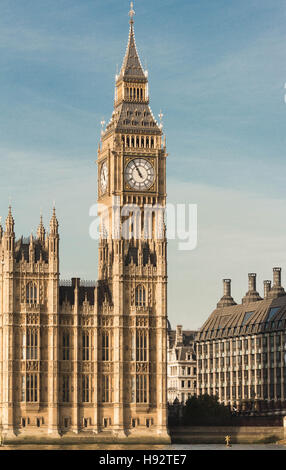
{"x":10,"y":223}
{"x":226,"y":300}
{"x":31,"y":249}
{"x":252,"y":295}
{"x":54,"y":225}
{"x":9,"y":232}
{"x":54,"y":241}
{"x":41,"y":233}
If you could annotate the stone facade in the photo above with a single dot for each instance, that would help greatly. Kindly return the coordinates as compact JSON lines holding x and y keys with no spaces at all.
{"x":182,"y":365}
{"x":241,"y":348}
{"x":92,"y":358}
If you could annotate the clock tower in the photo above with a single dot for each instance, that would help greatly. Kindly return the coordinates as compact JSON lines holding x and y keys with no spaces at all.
{"x":132,"y":277}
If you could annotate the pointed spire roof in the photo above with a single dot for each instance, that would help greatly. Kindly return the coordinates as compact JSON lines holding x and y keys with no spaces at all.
{"x":54,"y":225}
{"x":41,"y":230}
{"x":10,"y":221}
{"x":132,"y":67}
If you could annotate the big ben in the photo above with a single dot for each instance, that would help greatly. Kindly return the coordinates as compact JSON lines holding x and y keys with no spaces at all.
{"x":132,"y":277}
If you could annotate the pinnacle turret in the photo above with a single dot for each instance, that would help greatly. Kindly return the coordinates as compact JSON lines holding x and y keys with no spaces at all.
{"x":10,"y":222}
{"x":54,"y":225}
{"x":41,"y":231}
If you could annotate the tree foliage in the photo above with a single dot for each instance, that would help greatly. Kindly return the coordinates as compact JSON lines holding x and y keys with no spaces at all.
{"x":206,"y":410}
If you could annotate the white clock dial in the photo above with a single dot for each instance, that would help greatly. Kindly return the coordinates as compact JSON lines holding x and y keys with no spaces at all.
{"x":139,"y":174}
{"x":104,"y":177}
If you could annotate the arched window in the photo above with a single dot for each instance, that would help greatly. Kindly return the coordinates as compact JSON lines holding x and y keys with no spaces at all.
{"x":152,"y":143}
{"x":85,"y":346}
{"x":106,"y":346}
{"x":31,"y":293}
{"x":32,"y":340}
{"x":141,"y":345}
{"x":132,"y":142}
{"x":140,"y":296}
{"x":65,"y":346}
{"x":147,"y":142}
{"x":142,"y":142}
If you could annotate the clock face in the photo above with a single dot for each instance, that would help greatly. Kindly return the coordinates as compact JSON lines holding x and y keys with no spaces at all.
{"x":139,"y":174}
{"x":104,"y":177}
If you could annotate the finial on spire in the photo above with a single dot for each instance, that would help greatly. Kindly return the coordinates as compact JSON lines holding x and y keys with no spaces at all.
{"x":161,"y":115}
{"x":131,"y":13}
{"x":102,"y":123}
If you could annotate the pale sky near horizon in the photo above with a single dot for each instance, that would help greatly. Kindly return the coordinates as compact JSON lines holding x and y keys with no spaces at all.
{"x":217,"y":70}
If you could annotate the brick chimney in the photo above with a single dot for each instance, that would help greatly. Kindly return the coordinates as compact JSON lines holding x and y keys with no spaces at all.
{"x":277,"y":290}
{"x":179,"y":335}
{"x":267,"y":288}
{"x":226,"y":300}
{"x":252,"y":295}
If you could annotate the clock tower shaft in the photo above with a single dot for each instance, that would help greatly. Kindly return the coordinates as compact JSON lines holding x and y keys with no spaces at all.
{"x":132,"y":285}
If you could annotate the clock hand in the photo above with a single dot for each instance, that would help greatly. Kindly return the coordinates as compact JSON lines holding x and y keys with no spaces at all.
{"x":138,"y":171}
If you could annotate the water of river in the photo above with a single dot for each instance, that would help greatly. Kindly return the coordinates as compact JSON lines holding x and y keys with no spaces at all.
{"x":144,"y":447}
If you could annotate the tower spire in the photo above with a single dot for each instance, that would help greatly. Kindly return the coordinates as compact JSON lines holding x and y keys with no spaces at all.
{"x":132,"y":67}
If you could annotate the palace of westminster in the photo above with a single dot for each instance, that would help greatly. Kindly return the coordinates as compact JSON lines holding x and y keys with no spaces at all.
{"x":91,"y":358}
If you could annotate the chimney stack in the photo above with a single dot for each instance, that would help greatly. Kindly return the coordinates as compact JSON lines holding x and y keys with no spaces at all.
{"x":276,"y":277}
{"x":277,"y":290}
{"x":226,"y":300}
{"x":267,"y":288}
{"x":179,"y":335}
{"x":252,"y":282}
{"x":252,"y":295}
{"x":227,"y":287}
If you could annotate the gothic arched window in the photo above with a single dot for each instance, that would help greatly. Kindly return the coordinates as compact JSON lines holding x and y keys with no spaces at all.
{"x":65,"y":346}
{"x":85,"y":346}
{"x":141,"y":346}
{"x":106,"y":346}
{"x":140,"y":296}
{"x":31,"y":293}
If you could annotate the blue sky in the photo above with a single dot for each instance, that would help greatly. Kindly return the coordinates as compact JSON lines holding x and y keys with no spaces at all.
{"x":217,"y":69}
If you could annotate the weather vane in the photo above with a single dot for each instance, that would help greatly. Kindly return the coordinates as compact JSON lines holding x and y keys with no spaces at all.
{"x":131,"y":12}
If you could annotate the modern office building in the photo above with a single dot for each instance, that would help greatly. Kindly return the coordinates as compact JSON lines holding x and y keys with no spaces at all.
{"x":241,"y":348}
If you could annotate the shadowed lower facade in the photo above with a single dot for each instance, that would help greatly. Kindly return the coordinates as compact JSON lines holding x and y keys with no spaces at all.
{"x":91,"y":358}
